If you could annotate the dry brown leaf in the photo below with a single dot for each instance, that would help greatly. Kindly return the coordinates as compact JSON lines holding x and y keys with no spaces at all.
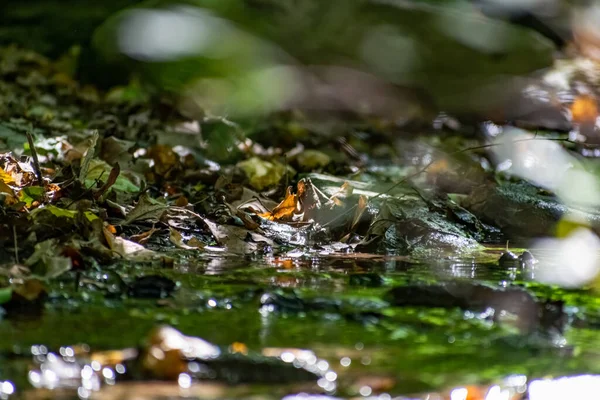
{"x":176,"y":238}
{"x":164,"y":158}
{"x":142,"y":238}
{"x":127,"y":249}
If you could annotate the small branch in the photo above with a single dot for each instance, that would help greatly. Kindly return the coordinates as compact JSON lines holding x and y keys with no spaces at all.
{"x":36,"y":162}
{"x":16,"y":244}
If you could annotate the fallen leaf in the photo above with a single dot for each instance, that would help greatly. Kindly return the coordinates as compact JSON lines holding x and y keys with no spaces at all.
{"x":584,"y":109}
{"x":310,"y":160}
{"x":127,"y":249}
{"x":284,"y":210}
{"x":263,"y":174}
{"x":176,"y":238}
{"x":46,"y":260}
{"x":146,"y":209}
{"x":143,"y":237}
{"x":112,"y":179}
{"x":87,"y":157}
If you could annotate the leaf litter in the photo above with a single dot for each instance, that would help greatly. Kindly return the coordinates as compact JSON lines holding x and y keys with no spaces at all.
{"x":89,"y":195}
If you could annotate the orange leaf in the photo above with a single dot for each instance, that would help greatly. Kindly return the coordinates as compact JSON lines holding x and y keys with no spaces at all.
{"x":285,"y":209}
{"x":237,"y":347}
{"x":584,"y":109}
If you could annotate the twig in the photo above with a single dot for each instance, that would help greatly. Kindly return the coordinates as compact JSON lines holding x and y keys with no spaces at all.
{"x":36,"y":162}
{"x":16,"y":244}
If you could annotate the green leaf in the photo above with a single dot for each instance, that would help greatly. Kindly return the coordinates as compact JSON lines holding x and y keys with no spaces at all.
{"x":61,"y":212}
{"x":30,"y":194}
{"x":5,"y":295}
{"x":100,"y":170}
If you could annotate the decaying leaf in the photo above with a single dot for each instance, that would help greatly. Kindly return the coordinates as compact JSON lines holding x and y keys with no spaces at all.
{"x":165,"y":159}
{"x":127,"y":249}
{"x":46,"y":261}
{"x":234,"y":238}
{"x":147,"y":209}
{"x":309,"y":203}
{"x":143,"y":237}
{"x":177,"y":239}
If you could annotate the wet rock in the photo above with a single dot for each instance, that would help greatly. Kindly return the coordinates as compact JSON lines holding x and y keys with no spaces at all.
{"x":413,"y":229}
{"x":152,"y":287}
{"x":530,"y":314}
{"x":169,"y":354}
{"x":508,"y":259}
{"x":403,"y":222}
{"x":526,"y":210}
{"x":289,"y":302}
{"x":366,"y":279}
{"x":526,"y":259}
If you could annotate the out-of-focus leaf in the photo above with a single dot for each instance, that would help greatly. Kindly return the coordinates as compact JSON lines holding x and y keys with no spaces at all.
{"x":11,"y":139}
{"x":5,"y":177}
{"x":30,"y":290}
{"x":310,"y":160}
{"x":116,"y":150}
{"x":165,"y":159}
{"x":46,"y":261}
{"x":168,"y":349}
{"x":112,"y":178}
{"x":87,"y":158}
{"x":30,"y":194}
{"x":263,"y":174}
{"x":133,"y":93}
{"x":5,"y":294}
{"x":4,"y":188}
{"x":61,"y":212}
{"x":584,"y":109}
